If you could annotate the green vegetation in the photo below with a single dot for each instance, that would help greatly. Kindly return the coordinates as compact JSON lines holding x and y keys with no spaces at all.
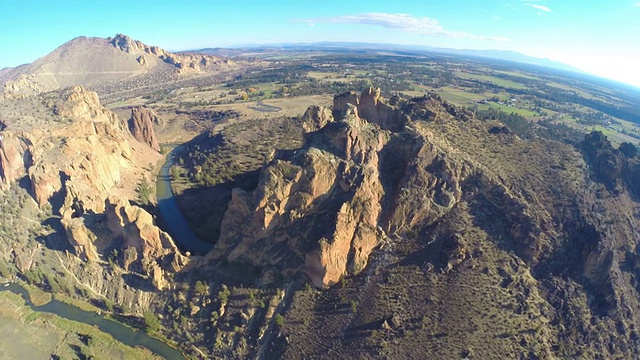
{"x":144,"y":191}
{"x":497,"y":80}
{"x":30,"y":334}
{"x":151,"y":322}
{"x":223,"y":295}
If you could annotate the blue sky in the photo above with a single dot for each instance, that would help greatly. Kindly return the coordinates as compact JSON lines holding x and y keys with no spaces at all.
{"x":601,"y":37}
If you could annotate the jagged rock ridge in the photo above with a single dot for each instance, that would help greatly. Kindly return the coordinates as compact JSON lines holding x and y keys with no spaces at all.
{"x":527,"y":247}
{"x":325,"y":209}
{"x":78,"y":167}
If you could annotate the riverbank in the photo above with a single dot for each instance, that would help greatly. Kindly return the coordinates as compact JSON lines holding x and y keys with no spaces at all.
{"x":177,"y":224}
{"x":42,"y":332}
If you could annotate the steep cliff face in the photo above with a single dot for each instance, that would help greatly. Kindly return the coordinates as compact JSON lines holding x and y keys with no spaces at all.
{"x":444,"y":212}
{"x":371,"y":107}
{"x":84,"y":167}
{"x":85,"y":159}
{"x":15,"y":156}
{"x":617,"y":171}
{"x":354,"y":181}
{"x":143,"y":243}
{"x":141,"y":126}
{"x":315,"y":118}
{"x":336,"y":186}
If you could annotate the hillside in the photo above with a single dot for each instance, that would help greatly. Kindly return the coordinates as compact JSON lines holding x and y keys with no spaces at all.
{"x":406,"y":227}
{"x":491,"y":246}
{"x":92,"y":62}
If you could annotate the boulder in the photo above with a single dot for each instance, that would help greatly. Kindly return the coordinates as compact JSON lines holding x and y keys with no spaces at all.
{"x":80,"y":238}
{"x":315,"y":118}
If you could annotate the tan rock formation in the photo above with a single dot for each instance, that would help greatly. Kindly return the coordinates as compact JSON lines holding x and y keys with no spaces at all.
{"x":371,"y":107}
{"x":137,"y":230}
{"x":15,"y":156}
{"x":80,"y":238}
{"x":315,"y":118}
{"x":369,"y":173}
{"x":88,"y":157}
{"x":79,"y":161}
{"x":328,"y":200}
{"x":141,"y":126}
{"x":185,"y":63}
{"x":143,"y":242}
{"x":94,"y":62}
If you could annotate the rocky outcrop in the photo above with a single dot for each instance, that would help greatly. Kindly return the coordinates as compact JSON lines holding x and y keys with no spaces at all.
{"x":85,"y":153}
{"x":80,"y":238}
{"x":144,"y":248}
{"x":137,"y":230}
{"x":15,"y":156}
{"x":315,"y":118}
{"x":125,"y":43}
{"x":185,"y":63}
{"x":108,"y":64}
{"x":142,"y":241}
{"x":370,"y":107}
{"x":83,"y":160}
{"x":326,"y":208}
{"x":141,"y":126}
{"x":81,"y":105}
{"x":78,"y":166}
{"x":611,"y":166}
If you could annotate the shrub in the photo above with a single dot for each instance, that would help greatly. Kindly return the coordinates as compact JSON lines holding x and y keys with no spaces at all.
{"x":151,"y":322}
{"x":144,"y":191}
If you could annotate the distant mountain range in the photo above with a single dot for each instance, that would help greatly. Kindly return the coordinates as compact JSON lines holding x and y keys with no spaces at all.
{"x":513,"y":56}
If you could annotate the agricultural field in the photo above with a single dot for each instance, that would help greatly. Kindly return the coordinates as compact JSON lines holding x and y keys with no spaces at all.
{"x":287,"y":82}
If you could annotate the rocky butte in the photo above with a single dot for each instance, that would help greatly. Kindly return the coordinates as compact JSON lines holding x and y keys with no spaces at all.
{"x":436,"y":197}
{"x":141,"y":126}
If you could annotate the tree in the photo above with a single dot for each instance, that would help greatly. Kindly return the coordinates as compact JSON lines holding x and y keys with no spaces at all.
{"x":200,"y":288}
{"x":144,"y":191}
{"x":151,"y":322}
{"x":223,"y":295}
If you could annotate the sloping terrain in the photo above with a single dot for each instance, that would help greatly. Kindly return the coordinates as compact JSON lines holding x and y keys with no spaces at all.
{"x":468,"y":241}
{"x":66,"y":185}
{"x":92,"y":62}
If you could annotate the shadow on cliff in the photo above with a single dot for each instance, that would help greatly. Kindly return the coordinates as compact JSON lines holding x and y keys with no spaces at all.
{"x":138,"y":282}
{"x":204,"y":206}
{"x":57,"y":239}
